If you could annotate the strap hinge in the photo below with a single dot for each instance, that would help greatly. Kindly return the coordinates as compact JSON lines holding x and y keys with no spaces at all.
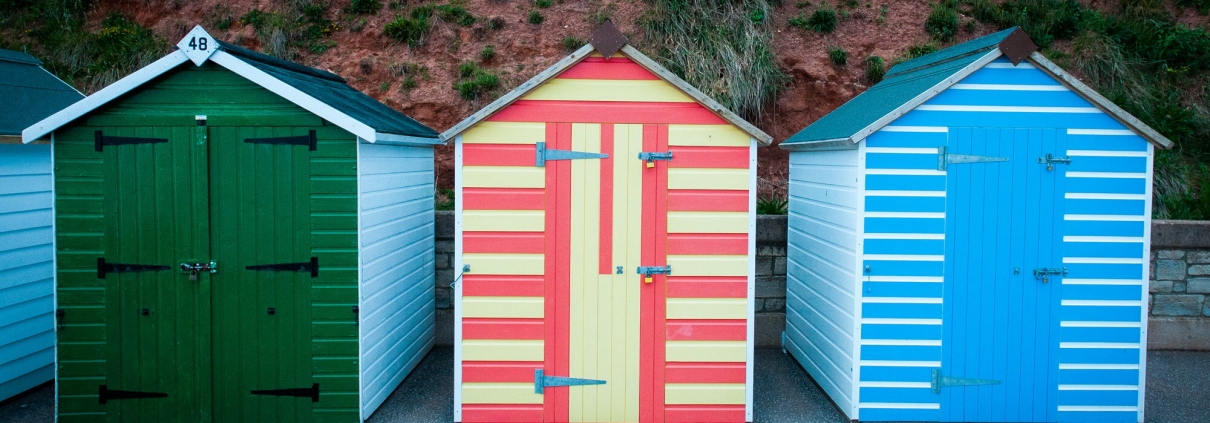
{"x":543,"y":154}
{"x":105,"y":394}
{"x":541,"y":381}
{"x":312,"y":392}
{"x":311,"y":267}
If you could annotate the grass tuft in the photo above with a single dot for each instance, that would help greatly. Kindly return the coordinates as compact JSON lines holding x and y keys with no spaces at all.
{"x":487,"y":54}
{"x":536,"y":18}
{"x":838,"y":56}
{"x":942,"y":22}
{"x":822,"y":20}
{"x":572,"y":43}
{"x":475,"y":81}
{"x":875,"y":68}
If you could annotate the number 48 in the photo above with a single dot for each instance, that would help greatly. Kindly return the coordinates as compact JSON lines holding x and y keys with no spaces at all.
{"x":198,"y":43}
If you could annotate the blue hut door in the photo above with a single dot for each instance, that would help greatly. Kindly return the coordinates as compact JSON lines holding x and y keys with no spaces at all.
{"x":1003,"y":267}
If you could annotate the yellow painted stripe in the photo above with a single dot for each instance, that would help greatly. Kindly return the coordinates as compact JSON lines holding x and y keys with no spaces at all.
{"x":502,"y":350}
{"x":504,"y":220}
{"x":736,"y":179}
{"x":503,"y":177}
{"x":707,"y":308}
{"x":707,"y":136}
{"x":586,"y":351}
{"x":505,"y":264}
{"x":707,"y":351}
{"x":707,"y":222}
{"x":499,"y":393}
{"x":704,"y":393}
{"x":502,"y":307}
{"x":608,"y":90}
{"x":722,"y":265}
{"x":628,"y":230}
{"x":486,"y":132}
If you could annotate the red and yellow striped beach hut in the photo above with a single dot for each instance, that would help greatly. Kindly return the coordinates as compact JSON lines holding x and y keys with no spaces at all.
{"x":605,"y":230}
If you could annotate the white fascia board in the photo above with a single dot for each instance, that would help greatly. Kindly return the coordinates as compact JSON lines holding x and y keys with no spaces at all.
{"x":294,"y":95}
{"x":821,"y":145}
{"x":407,"y":140}
{"x":105,"y":95}
{"x":926,"y":95}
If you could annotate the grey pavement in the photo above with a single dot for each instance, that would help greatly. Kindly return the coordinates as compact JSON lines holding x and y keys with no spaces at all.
{"x":1178,"y":391}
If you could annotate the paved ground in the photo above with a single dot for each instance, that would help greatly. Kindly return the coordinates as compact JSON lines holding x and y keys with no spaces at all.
{"x":1178,"y":390}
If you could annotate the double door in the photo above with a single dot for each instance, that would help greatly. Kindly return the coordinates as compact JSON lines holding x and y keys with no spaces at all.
{"x":207,"y":273}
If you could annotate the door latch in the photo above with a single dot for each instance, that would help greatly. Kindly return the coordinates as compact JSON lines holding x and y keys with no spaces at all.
{"x":651,"y":157}
{"x":1043,"y":273}
{"x":541,"y":381}
{"x":1050,"y":161}
{"x":194,"y":268}
{"x":649,"y":271}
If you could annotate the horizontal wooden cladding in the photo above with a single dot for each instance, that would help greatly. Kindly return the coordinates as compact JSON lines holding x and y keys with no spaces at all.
{"x":503,"y":220}
{"x":497,"y":328}
{"x":696,"y":178}
{"x":707,"y":287}
{"x":503,"y":199}
{"x":712,"y":265}
{"x":607,"y":112}
{"x":613,"y":68}
{"x":515,"y":307}
{"x":707,"y":222}
{"x":502,"y":413}
{"x":502,"y":350}
{"x":505,"y":133}
{"x":503,"y":177}
{"x":701,"y":413}
{"x":502,"y":286}
{"x":503,"y":242}
{"x":709,"y":157}
{"x":708,"y":244}
{"x":640,"y":90}
{"x":701,"y":135}
{"x":708,"y":200}
{"x":499,"y":371}
{"x":703,"y":373}
{"x":708,"y":330}
{"x":499,"y":155}
{"x":707,"y":308}
{"x":500,"y":393}
{"x":705,"y":393}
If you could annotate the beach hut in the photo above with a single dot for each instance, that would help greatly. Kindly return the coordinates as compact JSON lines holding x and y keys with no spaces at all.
{"x":238,"y":238}
{"x":604,"y":220}
{"x":969,"y":241}
{"x":27,"y":339}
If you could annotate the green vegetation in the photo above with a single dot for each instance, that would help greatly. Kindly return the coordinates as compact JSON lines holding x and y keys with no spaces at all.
{"x":542,"y":4}
{"x":875,"y":68}
{"x":601,"y":12}
{"x":495,"y":24}
{"x":717,"y":47}
{"x":303,"y":26}
{"x":221,"y":17}
{"x":942,"y":22}
{"x":454,"y":14}
{"x":488,"y":53}
{"x":474,"y":81}
{"x":772,"y":204}
{"x":822,"y":20}
{"x":535,"y":17}
{"x":363,"y":7}
{"x":444,"y":199}
{"x":838,"y":55}
{"x":573,"y":43}
{"x":411,"y":29}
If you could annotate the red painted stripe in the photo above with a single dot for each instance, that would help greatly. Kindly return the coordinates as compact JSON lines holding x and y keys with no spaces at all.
{"x":704,"y":373}
{"x":661,"y":259}
{"x":499,"y":371}
{"x":503,"y":199}
{"x":606,"y":238}
{"x":503,"y":242}
{"x":647,"y":331}
{"x":503,"y":413}
{"x":501,"y":286}
{"x":549,"y":278}
{"x":492,"y":328}
{"x":614,"y":68}
{"x":707,"y":200}
{"x":710,"y":157}
{"x":498,"y":154}
{"x":716,"y":244}
{"x":707,"y":287}
{"x":704,"y":413}
{"x":708,"y":330}
{"x":607,"y":112}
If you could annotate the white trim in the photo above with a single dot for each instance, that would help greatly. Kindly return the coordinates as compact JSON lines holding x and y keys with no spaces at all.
{"x":887,"y":321}
{"x":906,"y":215}
{"x":1098,"y":387}
{"x":1104,"y":217}
{"x":907,"y":279}
{"x":1099,"y":345}
{"x":54,"y":259}
{"x":457,"y":260}
{"x":859,"y":294}
{"x":899,"y":363}
{"x":901,"y":150}
{"x":1097,"y":366}
{"x":903,"y":193}
{"x":105,"y":95}
{"x":361,"y":311}
{"x":1120,"y":282}
{"x":1105,"y":153}
{"x":908,"y":385}
{"x":1106,"y":175}
{"x":904,"y":257}
{"x":1077,"y":324}
{"x":1110,"y":132}
{"x":1127,"y":239}
{"x":1008,"y":87}
{"x":901,"y":300}
{"x":903,"y":342}
{"x":1144,"y":285}
{"x":749,"y":374}
{"x":405,"y":140}
{"x":900,"y":405}
{"x":1101,"y":260}
{"x":923,"y":172}
{"x":873,"y":235}
{"x":1022,"y":65}
{"x":1006,"y":109}
{"x":907,"y":128}
{"x":1102,"y":196}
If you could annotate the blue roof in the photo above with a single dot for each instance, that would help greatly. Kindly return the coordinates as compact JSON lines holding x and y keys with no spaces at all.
{"x":901,"y":84}
{"x":30,"y":93}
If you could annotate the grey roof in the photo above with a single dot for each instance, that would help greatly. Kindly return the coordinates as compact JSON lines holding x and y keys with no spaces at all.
{"x":29,"y":92}
{"x":901,"y":84}
{"x":332,"y":90}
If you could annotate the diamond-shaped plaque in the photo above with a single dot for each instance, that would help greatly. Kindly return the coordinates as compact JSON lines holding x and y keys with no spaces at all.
{"x":607,"y":39}
{"x":198,"y":45}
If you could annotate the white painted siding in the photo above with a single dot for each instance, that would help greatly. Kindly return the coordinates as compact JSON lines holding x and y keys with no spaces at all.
{"x":27,"y":337}
{"x":396,"y":242}
{"x":825,"y":204}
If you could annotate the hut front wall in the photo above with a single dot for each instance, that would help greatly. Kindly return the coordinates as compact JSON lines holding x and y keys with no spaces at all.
{"x":27,"y":351}
{"x":1092,"y":217}
{"x":176,"y":183}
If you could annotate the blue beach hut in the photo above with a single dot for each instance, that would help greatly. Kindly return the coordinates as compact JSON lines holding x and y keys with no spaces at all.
{"x":969,"y":241}
{"x":28,"y":93}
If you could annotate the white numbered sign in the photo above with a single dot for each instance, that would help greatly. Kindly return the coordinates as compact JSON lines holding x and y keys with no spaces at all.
{"x":198,"y":45}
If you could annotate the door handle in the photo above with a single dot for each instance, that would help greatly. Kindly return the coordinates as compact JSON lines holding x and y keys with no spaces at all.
{"x":649,"y":271}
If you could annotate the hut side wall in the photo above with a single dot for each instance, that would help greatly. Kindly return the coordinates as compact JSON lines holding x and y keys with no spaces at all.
{"x":822,"y":239}
{"x":27,"y":338}
{"x":396,"y":315}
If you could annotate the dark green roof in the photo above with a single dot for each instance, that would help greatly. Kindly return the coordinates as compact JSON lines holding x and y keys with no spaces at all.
{"x":333,"y":91}
{"x":900,"y":85}
{"x":29,"y":93}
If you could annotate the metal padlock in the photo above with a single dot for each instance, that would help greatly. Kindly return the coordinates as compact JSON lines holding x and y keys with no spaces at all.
{"x":1046,"y":279}
{"x":648,"y":279}
{"x":650,"y":164}
{"x":193,"y":275}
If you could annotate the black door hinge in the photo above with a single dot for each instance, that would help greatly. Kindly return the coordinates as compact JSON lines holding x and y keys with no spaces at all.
{"x":307,"y":140}
{"x":59,"y":314}
{"x":312,"y":392}
{"x":105,"y":394}
{"x":356,"y":316}
{"x":103,"y":268}
{"x":309,"y":266}
{"x":99,"y":140}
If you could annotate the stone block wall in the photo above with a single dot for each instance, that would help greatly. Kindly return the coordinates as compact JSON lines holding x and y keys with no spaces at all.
{"x":1179,"y":302}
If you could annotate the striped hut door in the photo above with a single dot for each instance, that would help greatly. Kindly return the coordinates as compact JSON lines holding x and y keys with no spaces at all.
{"x":1003,"y":272}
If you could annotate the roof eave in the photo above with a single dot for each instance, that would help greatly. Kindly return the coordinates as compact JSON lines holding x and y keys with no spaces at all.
{"x":820,"y":145}
{"x":404,"y":140}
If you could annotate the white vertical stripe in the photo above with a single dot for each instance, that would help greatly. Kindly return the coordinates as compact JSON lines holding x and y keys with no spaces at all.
{"x":1144,"y":286}
{"x":749,"y":378}
{"x":457,"y":281}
